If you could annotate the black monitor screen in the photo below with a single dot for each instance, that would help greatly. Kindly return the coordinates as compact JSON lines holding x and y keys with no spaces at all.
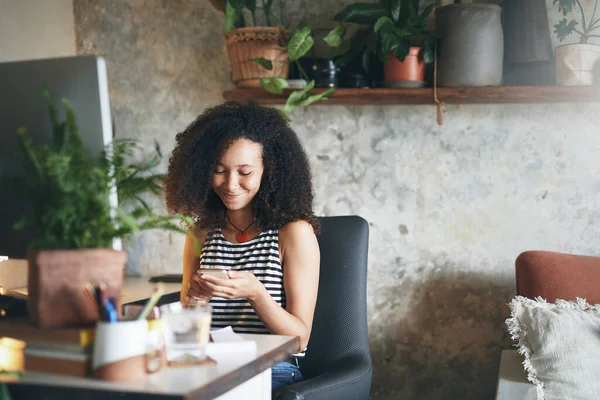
{"x":83,"y":82}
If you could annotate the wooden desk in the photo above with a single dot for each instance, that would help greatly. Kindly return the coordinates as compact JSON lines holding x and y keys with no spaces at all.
{"x":237,"y":378}
{"x":135,"y":288}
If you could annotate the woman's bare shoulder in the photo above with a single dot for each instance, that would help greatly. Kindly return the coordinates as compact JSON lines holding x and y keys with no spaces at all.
{"x":296,"y":231}
{"x":298,"y":244}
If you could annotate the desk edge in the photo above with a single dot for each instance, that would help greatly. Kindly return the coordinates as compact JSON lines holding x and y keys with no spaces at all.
{"x":248,"y":371}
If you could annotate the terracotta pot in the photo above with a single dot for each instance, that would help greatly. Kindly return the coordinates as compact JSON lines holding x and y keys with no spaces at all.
{"x":407,"y":73}
{"x":576,"y":64}
{"x":244,"y":44}
{"x":56,"y":281}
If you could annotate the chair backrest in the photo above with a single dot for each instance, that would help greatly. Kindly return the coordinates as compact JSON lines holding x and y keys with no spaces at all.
{"x":553,"y":275}
{"x":340,"y":323}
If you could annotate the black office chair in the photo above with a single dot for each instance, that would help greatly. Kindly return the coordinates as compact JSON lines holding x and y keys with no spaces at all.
{"x":337,"y":365}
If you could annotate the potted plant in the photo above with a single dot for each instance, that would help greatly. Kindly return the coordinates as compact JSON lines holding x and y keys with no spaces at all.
{"x":265,"y":39}
{"x":300,"y":43}
{"x":360,"y":59}
{"x":400,"y":38}
{"x":260,"y":56}
{"x":575,"y":63}
{"x":72,"y":221}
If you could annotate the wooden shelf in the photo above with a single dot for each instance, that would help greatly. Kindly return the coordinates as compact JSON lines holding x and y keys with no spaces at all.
{"x":476,"y":95}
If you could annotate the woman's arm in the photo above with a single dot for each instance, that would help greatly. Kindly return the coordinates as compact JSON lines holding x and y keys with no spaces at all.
{"x":191,"y":262}
{"x":300,"y":259}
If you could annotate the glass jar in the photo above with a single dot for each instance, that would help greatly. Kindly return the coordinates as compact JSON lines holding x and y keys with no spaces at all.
{"x":187,"y":330}
{"x":194,"y":302}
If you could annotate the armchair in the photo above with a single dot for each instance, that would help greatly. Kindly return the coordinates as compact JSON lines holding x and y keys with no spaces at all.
{"x":552,"y":276}
{"x":337,"y":365}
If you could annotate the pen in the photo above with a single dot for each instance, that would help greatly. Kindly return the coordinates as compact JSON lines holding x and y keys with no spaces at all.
{"x":100,"y":292}
{"x":90,"y":294}
{"x":113,"y":301}
{"x":110,"y":309}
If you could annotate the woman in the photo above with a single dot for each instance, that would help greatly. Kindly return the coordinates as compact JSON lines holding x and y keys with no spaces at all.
{"x":240,"y":172}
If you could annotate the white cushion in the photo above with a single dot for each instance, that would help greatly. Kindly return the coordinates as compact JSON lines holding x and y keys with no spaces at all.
{"x":561,"y":345}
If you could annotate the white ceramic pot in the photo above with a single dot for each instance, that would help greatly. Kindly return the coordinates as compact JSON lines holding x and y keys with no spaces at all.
{"x":576,"y":63}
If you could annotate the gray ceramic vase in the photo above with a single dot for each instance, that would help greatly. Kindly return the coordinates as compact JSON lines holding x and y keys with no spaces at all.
{"x":471,"y":46}
{"x":528,"y":54}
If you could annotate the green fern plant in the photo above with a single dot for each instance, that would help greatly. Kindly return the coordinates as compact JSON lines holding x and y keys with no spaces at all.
{"x":69,"y":189}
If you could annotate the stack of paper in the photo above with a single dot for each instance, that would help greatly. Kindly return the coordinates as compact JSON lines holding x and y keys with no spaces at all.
{"x":228,"y":345}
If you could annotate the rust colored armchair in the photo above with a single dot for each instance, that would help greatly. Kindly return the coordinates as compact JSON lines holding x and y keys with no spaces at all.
{"x":550,"y":275}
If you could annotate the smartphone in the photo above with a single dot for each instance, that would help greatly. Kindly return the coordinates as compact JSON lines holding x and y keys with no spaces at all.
{"x":217,"y":273}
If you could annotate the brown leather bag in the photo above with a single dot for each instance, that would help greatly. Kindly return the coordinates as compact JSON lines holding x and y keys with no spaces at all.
{"x":56,"y":284}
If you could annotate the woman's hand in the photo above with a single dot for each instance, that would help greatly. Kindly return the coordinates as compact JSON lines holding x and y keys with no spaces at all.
{"x":197,"y":290}
{"x":240,"y":285}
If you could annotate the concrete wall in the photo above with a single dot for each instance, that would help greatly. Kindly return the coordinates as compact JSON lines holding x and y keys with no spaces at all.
{"x":32,"y":29}
{"x":449,"y":207}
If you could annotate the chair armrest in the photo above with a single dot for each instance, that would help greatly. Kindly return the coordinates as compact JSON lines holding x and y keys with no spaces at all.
{"x":347,"y":380}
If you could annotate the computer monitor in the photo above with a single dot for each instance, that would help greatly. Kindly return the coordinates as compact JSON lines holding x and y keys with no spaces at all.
{"x":83,"y":81}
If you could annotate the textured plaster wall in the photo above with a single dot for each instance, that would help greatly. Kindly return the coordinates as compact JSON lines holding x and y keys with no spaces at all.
{"x":449,"y":207}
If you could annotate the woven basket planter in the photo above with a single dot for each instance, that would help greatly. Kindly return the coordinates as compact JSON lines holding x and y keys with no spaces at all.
{"x":244,"y":44}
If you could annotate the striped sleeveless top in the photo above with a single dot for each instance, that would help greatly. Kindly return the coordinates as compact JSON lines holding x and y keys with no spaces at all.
{"x":259,"y":256}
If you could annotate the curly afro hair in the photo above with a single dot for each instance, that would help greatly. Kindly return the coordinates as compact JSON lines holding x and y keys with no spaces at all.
{"x":285,"y":193}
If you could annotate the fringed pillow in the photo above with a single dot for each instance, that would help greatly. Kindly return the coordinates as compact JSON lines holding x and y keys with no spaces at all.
{"x":561,"y":346}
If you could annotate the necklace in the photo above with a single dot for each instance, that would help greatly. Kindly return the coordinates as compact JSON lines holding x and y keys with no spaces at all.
{"x":242,"y":235}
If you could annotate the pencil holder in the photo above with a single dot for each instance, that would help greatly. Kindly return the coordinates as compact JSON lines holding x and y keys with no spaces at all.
{"x":121,"y":351}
